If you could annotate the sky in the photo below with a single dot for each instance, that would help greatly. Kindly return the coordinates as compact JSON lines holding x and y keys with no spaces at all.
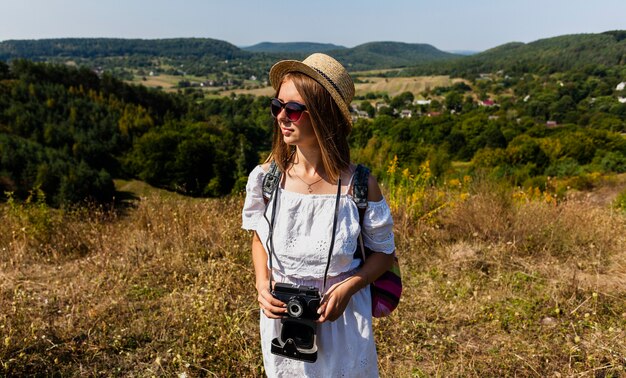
{"x":449,"y":25}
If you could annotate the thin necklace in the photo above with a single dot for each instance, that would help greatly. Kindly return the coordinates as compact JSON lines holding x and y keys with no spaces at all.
{"x":306,"y":183}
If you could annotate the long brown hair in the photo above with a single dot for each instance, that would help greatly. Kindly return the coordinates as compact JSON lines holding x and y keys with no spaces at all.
{"x":330,"y":127}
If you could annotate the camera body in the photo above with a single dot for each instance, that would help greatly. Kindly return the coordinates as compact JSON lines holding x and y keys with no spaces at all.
{"x":302,"y":301}
{"x":297,"y":338}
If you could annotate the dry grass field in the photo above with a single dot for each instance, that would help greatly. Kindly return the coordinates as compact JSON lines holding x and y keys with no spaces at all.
{"x":167,"y":82}
{"x":163,"y":286}
{"x":392,"y":86}
{"x":395,"y":85}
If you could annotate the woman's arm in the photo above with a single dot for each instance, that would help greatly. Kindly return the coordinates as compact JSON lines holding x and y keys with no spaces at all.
{"x":271,"y":307}
{"x":337,"y":298}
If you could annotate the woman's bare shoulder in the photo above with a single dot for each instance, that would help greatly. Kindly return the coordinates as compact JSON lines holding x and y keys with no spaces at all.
{"x":374,"y":193}
{"x":265,"y":167}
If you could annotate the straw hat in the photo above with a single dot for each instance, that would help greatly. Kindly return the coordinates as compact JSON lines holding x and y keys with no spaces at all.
{"x":326,"y":71}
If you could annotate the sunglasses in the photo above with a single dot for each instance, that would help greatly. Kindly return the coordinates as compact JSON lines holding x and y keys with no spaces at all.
{"x":293,"y":109}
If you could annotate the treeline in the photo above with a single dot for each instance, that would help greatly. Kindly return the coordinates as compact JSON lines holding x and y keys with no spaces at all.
{"x":69,"y":132}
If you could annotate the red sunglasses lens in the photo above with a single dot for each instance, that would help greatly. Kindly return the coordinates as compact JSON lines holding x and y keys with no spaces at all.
{"x":293,"y":110}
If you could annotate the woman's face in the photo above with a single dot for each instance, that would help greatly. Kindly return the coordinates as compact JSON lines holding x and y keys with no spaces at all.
{"x":299,"y":133}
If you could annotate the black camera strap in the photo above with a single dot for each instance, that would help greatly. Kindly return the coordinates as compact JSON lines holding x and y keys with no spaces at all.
{"x":332,"y":239}
{"x":269,"y":243}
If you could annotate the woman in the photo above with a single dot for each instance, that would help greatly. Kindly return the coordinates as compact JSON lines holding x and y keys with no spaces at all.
{"x":310,"y":147}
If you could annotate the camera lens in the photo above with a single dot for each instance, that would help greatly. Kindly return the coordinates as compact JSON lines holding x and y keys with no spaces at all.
{"x":295,"y":308}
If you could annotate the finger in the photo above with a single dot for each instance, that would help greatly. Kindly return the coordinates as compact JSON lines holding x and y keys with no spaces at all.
{"x":330,"y":306}
{"x":270,"y":314}
{"x":277,"y":310}
{"x":273,"y":312}
{"x":269,"y":303}
{"x":269,"y":298}
{"x":321,"y":309}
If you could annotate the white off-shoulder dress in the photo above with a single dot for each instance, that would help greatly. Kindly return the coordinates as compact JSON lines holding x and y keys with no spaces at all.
{"x":302,"y":236}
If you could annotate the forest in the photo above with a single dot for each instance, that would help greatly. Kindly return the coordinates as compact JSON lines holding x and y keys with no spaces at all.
{"x":70,"y":131}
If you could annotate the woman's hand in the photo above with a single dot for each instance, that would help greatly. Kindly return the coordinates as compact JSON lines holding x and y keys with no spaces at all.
{"x":337,"y":298}
{"x":271,"y":307}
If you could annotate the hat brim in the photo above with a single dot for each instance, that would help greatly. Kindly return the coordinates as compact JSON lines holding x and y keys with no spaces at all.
{"x":280,"y":69}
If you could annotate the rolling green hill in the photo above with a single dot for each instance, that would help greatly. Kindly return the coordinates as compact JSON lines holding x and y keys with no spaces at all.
{"x":556,"y":54}
{"x":110,"y":47}
{"x":377,"y":55}
{"x":292,"y":47}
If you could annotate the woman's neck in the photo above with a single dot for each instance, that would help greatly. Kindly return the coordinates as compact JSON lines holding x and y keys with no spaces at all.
{"x":309,"y":160}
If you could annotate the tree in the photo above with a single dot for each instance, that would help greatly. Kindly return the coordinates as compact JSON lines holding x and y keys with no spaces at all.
{"x":402,"y":100}
{"x":454,"y":101}
{"x":367,"y":107}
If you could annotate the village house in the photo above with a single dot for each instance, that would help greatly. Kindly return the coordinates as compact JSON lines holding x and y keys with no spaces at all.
{"x":358,"y":113}
{"x":406,"y":113}
{"x":621,"y":86}
{"x":551,"y":124}
{"x":488,"y":103}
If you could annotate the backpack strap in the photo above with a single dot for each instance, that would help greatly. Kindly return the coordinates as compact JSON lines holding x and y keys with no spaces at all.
{"x":271,"y":180}
{"x":359,"y":188}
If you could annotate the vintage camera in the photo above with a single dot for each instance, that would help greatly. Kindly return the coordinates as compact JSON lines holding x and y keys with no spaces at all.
{"x":297,"y":338}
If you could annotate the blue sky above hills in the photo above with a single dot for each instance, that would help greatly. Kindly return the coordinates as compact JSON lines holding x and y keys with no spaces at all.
{"x":446,"y":24}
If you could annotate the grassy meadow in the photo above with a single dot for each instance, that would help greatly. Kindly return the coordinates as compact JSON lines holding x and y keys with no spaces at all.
{"x":496,"y":283}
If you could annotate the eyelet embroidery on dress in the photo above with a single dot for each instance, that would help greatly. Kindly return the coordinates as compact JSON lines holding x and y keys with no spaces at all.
{"x":290,"y":243}
{"x":349,"y":246}
{"x":322,"y":246}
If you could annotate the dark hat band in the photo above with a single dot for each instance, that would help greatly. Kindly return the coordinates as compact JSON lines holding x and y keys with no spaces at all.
{"x":330,"y":81}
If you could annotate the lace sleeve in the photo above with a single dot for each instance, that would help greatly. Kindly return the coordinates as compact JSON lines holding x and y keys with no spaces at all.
{"x":378,"y":227}
{"x":254,"y":204}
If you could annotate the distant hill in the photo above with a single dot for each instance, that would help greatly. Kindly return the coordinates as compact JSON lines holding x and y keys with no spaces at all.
{"x":377,"y":55}
{"x":203,"y":55}
{"x":109,"y":47}
{"x":372,"y":55}
{"x":292,"y":47}
{"x":558,"y":53}
{"x":554,"y":54}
